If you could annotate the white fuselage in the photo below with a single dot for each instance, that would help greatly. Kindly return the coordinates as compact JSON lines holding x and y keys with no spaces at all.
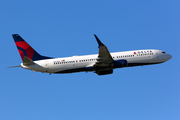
{"x":86,"y":62}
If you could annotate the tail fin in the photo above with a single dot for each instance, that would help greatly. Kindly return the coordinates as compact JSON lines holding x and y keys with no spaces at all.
{"x":25,"y":50}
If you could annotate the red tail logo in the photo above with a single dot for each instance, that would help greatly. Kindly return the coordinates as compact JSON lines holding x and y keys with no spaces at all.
{"x":26,"y":50}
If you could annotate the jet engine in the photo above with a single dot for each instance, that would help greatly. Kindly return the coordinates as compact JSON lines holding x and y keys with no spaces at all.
{"x":120,"y":63}
{"x":104,"y":72}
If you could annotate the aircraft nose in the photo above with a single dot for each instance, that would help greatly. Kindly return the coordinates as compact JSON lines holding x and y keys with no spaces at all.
{"x":169,"y":56}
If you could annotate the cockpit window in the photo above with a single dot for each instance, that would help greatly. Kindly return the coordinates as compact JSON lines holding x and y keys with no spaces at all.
{"x":163,"y":52}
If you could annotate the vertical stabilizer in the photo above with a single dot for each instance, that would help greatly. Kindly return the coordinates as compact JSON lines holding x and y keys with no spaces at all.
{"x":25,"y":50}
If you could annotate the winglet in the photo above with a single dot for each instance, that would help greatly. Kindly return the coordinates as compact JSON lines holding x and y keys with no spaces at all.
{"x":99,"y":42}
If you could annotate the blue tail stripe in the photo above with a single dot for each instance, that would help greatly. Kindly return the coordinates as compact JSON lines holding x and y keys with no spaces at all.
{"x":37,"y":56}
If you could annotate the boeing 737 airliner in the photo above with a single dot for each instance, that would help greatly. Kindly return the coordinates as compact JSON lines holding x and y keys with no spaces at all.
{"x":102,"y":63}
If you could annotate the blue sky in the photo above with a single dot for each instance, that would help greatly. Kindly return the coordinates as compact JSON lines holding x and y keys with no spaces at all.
{"x":65,"y":28}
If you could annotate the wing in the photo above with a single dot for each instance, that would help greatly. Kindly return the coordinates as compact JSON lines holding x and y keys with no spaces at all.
{"x":104,"y":59}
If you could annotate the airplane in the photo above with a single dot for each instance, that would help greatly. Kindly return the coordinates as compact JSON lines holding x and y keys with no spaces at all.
{"x":102,"y":64}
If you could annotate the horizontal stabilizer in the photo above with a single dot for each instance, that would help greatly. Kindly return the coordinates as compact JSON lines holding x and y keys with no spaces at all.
{"x":27,"y":61}
{"x":14,"y":66}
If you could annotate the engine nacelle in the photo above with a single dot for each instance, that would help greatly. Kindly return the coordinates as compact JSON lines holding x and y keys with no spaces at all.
{"x":104,"y":72}
{"x":120,"y":63}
